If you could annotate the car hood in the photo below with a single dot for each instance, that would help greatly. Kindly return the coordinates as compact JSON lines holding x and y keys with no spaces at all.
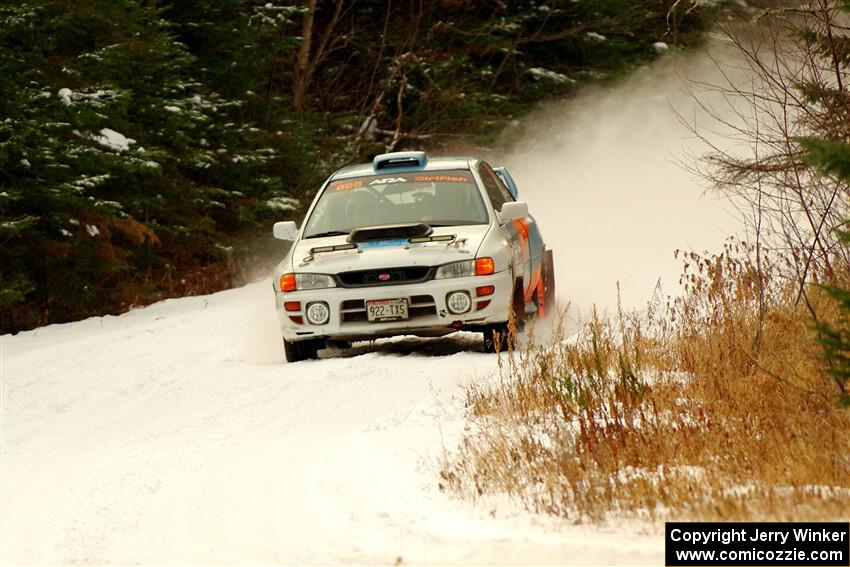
{"x":393,"y":252}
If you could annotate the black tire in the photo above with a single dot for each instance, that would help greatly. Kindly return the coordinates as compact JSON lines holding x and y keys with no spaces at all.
{"x":497,"y":338}
{"x":301,"y":350}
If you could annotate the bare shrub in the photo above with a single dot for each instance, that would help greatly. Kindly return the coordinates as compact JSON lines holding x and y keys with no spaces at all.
{"x":784,"y":80}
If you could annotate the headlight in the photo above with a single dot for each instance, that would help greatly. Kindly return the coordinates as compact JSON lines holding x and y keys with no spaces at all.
{"x":477,"y":267}
{"x":313,"y":281}
{"x":294,"y":282}
{"x":456,"y":270}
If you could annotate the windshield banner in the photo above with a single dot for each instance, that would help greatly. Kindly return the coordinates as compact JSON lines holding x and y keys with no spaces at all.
{"x":380,"y":180}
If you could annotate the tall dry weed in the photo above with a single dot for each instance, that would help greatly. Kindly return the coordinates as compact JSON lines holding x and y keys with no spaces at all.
{"x":713,"y":405}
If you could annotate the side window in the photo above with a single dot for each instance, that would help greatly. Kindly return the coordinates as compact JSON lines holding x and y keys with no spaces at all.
{"x":496,"y":190}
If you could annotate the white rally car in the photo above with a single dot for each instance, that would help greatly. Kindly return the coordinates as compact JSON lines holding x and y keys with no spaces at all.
{"x":411,"y":245}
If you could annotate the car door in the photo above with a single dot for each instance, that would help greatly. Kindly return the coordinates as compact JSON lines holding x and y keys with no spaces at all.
{"x":523,"y":234}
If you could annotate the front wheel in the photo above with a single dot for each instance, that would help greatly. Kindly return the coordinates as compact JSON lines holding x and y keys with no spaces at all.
{"x":501,"y":337}
{"x":301,"y":350}
{"x":498,"y":338}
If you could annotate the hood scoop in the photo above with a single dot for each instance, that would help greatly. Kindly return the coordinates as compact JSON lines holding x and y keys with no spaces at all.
{"x":385,"y":232}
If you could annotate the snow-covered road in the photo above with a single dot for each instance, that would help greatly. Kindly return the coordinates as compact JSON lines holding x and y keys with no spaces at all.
{"x":176,"y":434}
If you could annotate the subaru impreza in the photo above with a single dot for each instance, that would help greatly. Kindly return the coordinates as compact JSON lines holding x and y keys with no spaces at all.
{"x":411,"y":245}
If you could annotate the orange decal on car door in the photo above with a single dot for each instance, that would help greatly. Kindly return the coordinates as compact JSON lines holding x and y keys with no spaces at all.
{"x":521,"y":228}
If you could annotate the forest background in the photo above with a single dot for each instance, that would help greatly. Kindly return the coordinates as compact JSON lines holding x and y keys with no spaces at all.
{"x":147,"y":147}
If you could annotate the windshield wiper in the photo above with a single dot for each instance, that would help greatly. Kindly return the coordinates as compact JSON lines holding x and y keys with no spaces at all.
{"x":328,"y":233}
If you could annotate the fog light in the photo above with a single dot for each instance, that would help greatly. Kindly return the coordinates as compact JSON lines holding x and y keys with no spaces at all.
{"x":318,"y":313}
{"x":458,"y":302}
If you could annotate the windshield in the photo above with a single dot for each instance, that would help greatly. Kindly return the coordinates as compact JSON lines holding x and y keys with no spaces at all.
{"x":440,"y":198}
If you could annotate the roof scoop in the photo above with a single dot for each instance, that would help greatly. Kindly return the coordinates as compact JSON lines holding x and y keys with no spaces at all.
{"x":386,"y":232}
{"x":400,"y":160}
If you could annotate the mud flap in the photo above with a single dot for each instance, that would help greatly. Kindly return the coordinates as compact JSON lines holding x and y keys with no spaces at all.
{"x":548,"y":282}
{"x":518,"y":304}
{"x":541,"y":298}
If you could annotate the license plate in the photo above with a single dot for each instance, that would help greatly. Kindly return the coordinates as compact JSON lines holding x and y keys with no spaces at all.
{"x":386,"y":310}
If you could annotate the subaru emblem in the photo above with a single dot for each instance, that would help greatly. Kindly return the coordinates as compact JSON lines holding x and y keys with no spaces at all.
{"x":383,"y":277}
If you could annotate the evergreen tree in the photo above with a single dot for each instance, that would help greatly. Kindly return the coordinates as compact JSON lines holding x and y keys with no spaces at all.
{"x":833,"y":157}
{"x":827,"y":150}
{"x":116,"y":162}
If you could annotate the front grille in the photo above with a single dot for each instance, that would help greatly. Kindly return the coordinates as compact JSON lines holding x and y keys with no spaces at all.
{"x":387,"y":276}
{"x":354,"y":310}
{"x":421,"y":306}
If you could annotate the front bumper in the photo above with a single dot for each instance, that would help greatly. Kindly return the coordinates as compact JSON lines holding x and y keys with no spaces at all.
{"x":428,"y":313}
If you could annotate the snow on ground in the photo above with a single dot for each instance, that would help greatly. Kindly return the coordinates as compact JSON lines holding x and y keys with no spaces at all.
{"x":175,"y":433}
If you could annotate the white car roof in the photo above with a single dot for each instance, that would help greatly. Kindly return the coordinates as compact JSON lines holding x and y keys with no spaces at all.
{"x":432,"y":164}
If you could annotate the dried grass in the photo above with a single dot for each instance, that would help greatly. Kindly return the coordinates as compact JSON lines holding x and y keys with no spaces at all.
{"x":714,"y":405}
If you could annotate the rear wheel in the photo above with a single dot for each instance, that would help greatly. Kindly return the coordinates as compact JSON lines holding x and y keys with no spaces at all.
{"x":297,"y":351}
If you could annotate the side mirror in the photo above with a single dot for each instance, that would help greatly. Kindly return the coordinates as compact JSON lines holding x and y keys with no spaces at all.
{"x":286,"y":230}
{"x":514,"y":210}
